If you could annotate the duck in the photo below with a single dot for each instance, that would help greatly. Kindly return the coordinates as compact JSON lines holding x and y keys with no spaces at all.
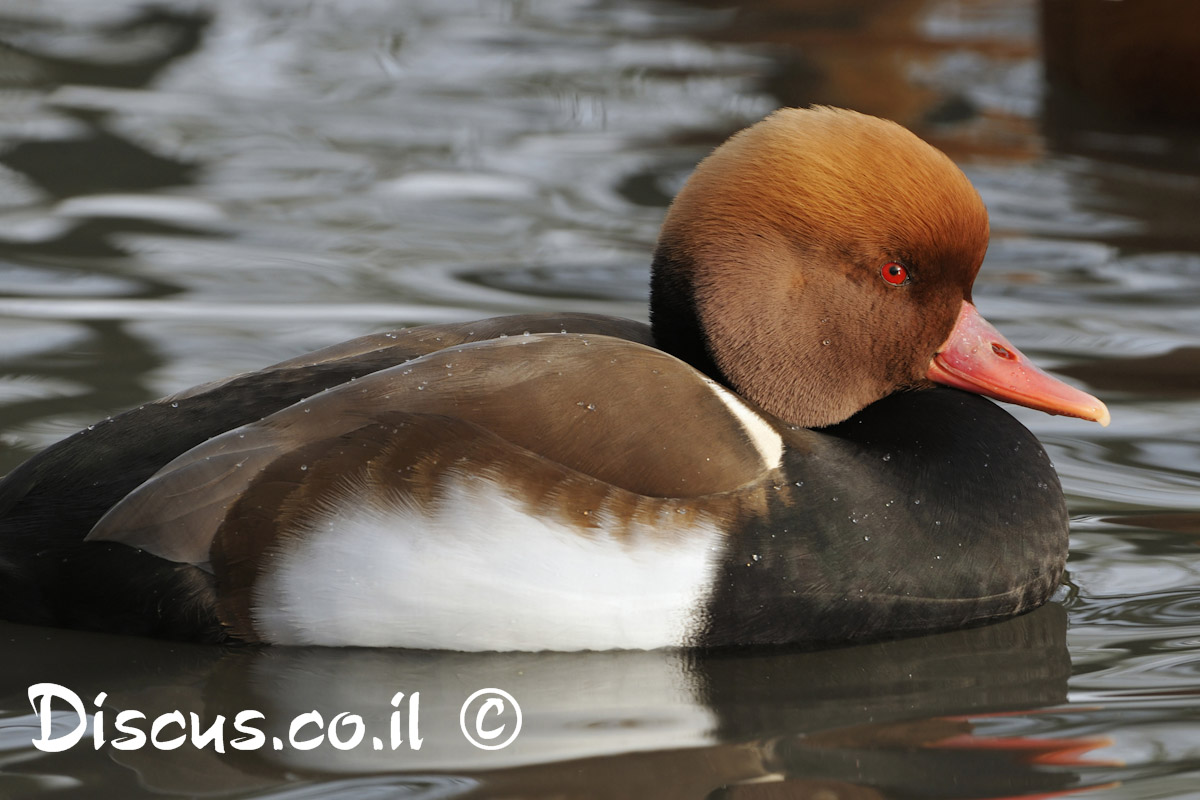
{"x":799,"y":449}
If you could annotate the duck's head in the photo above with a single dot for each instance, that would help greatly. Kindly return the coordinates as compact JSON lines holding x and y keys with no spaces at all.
{"x":822,"y":259}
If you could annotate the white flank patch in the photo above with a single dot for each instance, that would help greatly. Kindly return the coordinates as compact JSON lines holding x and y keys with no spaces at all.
{"x":479,"y":573}
{"x":766,"y":440}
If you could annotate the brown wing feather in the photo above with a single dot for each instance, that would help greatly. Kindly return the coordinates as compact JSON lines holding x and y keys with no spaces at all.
{"x":173,"y":515}
{"x":623,"y":414}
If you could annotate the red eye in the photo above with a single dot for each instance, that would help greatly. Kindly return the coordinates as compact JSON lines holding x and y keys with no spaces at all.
{"x":894,"y":273}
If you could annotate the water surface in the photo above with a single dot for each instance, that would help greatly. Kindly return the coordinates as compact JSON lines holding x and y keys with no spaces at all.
{"x":191,"y":189}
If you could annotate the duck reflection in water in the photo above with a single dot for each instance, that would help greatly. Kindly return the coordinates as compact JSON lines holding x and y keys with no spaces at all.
{"x":670,"y":724}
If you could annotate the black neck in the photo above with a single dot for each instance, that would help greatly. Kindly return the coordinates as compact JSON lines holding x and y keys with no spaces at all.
{"x":674,"y":320}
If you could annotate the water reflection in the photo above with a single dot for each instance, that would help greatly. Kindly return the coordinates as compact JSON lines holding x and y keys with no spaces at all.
{"x":667,"y":723}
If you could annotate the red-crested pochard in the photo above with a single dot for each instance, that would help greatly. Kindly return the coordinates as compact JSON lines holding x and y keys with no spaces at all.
{"x":768,"y":462}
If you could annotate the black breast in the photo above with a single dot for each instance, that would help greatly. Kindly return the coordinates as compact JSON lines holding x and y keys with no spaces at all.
{"x":925,"y":511}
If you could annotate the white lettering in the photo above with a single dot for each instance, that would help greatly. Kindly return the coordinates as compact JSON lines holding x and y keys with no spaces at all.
{"x":215,"y":733}
{"x":360,"y":730}
{"x":47,"y":692}
{"x":162,"y":722}
{"x":135,"y":738}
{"x":311,"y":718}
{"x":489,"y":733}
{"x":255,"y":739}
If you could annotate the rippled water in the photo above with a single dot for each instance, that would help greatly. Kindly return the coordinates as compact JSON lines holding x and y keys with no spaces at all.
{"x":199,"y":188}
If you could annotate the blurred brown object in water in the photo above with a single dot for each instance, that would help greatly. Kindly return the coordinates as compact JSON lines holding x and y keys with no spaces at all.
{"x":1172,"y":374}
{"x":877,"y":56}
{"x":1124,"y":61}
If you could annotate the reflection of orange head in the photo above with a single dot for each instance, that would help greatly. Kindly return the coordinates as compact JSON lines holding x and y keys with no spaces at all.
{"x":1064,"y":752}
{"x":1038,"y":751}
